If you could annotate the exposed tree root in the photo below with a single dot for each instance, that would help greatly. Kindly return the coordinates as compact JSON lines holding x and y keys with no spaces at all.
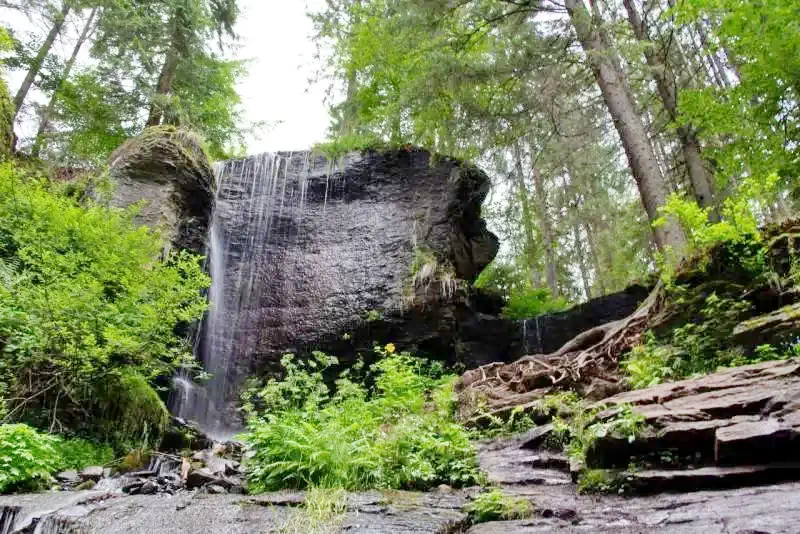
{"x":588,"y":363}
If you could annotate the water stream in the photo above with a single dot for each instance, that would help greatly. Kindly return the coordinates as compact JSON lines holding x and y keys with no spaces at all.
{"x":257,"y":199}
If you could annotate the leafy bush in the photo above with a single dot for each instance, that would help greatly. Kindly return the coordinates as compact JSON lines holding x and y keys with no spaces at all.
{"x":579,"y":433}
{"x":699,"y":347}
{"x":494,"y":505}
{"x":79,"y":453}
{"x":398,"y":434}
{"x":529,"y":303}
{"x":83,"y":295}
{"x":27,"y":458}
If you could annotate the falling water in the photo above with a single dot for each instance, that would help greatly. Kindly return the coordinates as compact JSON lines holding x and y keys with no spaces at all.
{"x":257,"y":199}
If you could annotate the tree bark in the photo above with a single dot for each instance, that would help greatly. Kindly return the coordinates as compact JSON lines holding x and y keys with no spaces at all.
{"x":47,"y":115}
{"x":527,"y":216}
{"x":598,"y":266}
{"x":547,"y":232}
{"x":164,"y":87}
{"x":581,"y":257}
{"x":44,"y":50}
{"x":668,"y":91}
{"x":616,"y":93}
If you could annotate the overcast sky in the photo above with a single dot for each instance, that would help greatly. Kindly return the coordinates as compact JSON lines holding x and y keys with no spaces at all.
{"x":276,"y":38}
{"x":276,"y":42}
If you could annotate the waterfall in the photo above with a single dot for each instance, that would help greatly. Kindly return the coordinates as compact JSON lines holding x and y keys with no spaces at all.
{"x":258,"y":199}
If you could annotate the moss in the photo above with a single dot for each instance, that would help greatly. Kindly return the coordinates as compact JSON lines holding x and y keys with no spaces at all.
{"x":148,"y":153}
{"x":6,"y":122}
{"x":131,"y":412}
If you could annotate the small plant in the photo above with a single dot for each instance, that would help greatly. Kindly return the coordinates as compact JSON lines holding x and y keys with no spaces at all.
{"x":695,"y":348}
{"x":492,"y":426}
{"x":532,"y":302}
{"x":27,"y":458}
{"x":372,"y":316}
{"x":603,"y":481}
{"x":322,"y":513}
{"x":494,"y":505}
{"x":580,"y":432}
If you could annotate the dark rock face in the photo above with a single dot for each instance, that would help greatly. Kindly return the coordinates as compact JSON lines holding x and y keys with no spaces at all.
{"x":168,"y":170}
{"x":313,"y":249}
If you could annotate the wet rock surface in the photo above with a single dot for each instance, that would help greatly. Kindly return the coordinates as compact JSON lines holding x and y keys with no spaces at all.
{"x":543,"y":477}
{"x":97,"y":512}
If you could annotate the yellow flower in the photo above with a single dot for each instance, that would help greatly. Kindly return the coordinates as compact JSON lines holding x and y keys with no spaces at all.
{"x":390,"y":348}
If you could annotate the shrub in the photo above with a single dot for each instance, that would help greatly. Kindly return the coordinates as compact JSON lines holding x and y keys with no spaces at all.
{"x":532,"y":302}
{"x":79,"y":453}
{"x":698,"y":347}
{"x":84,"y":295}
{"x":27,"y":458}
{"x":494,"y":505}
{"x":399,"y":434}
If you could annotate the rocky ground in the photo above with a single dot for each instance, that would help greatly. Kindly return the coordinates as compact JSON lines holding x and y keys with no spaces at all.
{"x":726,"y":463}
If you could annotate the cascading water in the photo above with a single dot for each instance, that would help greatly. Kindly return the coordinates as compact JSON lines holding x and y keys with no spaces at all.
{"x":257,"y":199}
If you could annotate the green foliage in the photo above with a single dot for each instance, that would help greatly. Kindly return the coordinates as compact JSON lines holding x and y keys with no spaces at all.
{"x":603,"y":481}
{"x":529,"y":303}
{"x":27,"y":458}
{"x":322,"y":513}
{"x":737,"y":226}
{"x":698,"y":347}
{"x":400,"y":434}
{"x":522,"y":300}
{"x":753,"y":126}
{"x":583,"y":428}
{"x":88,"y":313}
{"x":494,"y":505}
{"x":339,"y":146}
{"x":492,"y":426}
{"x":79,"y":453}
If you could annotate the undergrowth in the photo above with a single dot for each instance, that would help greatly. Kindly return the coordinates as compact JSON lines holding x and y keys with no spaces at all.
{"x":494,"y":505}
{"x":28,"y":459}
{"x":400,"y":433}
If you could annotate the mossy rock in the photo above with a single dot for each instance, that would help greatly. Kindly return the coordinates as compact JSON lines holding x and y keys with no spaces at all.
{"x":163,"y":154}
{"x":166,"y":172}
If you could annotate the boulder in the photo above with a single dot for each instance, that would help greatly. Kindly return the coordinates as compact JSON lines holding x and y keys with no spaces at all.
{"x":167,"y":171}
{"x":92,"y":473}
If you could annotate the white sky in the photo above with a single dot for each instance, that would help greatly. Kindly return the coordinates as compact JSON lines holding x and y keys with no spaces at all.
{"x":275,"y":39}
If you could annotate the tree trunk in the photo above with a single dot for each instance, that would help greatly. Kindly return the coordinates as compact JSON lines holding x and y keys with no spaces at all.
{"x":44,"y":50}
{"x":650,"y":181}
{"x":668,"y":91}
{"x":547,"y":232}
{"x":47,"y":115}
{"x":527,"y":216}
{"x":165,"y":80}
{"x":581,"y":257}
{"x":587,"y":227}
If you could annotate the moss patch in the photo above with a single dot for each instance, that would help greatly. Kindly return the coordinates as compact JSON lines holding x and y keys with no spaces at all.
{"x":6,"y":122}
